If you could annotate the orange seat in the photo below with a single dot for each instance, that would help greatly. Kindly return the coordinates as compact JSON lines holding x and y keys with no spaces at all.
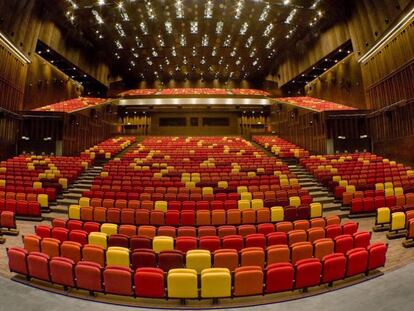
{"x":248,"y":281}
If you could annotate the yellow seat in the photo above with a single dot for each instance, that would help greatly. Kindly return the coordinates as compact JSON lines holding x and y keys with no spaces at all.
{"x":397,"y":221}
{"x":104,"y":174}
{"x":37,"y":185}
{"x":260,"y":170}
{"x":215,"y":283}
{"x":198,"y":259}
{"x":74,"y":212}
{"x":389,"y":192}
{"x":350,"y":189}
{"x":162,"y":243}
{"x":2,"y":183}
{"x":182,"y":283}
{"x":243,"y":204}
{"x":315,"y":210}
{"x":257,"y":203}
{"x":336,"y":178}
{"x":185,"y":179}
{"x":388,"y":185}
{"x":343,"y":183}
{"x":117,"y":256}
{"x":161,"y":206}
{"x":284,"y":182}
{"x":63,"y":182}
{"x":107,"y":155}
{"x":293,"y":181}
{"x":84,"y":201}
{"x":98,"y":238}
{"x":277,"y":173}
{"x":109,"y":229}
{"x":277,"y":214}
{"x":241,"y":189}
{"x":410,"y":173}
{"x":251,"y":174}
{"x":190,"y":184}
{"x":398,"y":191}
{"x":43,"y":200}
{"x":195,"y":179}
{"x":246,"y":196}
{"x":207,"y":190}
{"x":294,"y":201}
{"x":379,"y":186}
{"x":223,"y":184}
{"x":383,"y":216}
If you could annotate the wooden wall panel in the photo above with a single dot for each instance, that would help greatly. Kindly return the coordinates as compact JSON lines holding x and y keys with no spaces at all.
{"x":300,"y":61}
{"x":342,"y":84}
{"x":9,"y":131}
{"x":12,"y":80}
{"x":46,"y":84}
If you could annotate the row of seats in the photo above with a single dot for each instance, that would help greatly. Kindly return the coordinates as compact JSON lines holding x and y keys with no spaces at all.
{"x":129,"y":230}
{"x":347,"y":196}
{"x":371,"y":204}
{"x":395,"y":219}
{"x":232,"y":216}
{"x":141,"y":252}
{"x":24,"y":208}
{"x":185,"y":195}
{"x":193,"y":218}
{"x":280,"y":147}
{"x":246,"y":202}
{"x":187,"y":283}
{"x":227,"y":238}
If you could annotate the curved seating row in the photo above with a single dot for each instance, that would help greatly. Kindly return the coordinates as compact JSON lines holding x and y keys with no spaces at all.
{"x":141,"y":252}
{"x":192,"y":217}
{"x":184,"y":283}
{"x":227,"y":238}
{"x":24,"y":208}
{"x":183,"y":194}
{"x":371,"y":204}
{"x":129,"y":229}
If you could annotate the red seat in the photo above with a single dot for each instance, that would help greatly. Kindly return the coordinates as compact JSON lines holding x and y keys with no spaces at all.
{"x":308,"y":273}
{"x":141,"y":258}
{"x":89,"y":276}
{"x":118,"y":280}
{"x":172,"y":259}
{"x":334,"y":267}
{"x":279,"y":277}
{"x":376,"y":255}
{"x":18,"y":260}
{"x":38,"y":266}
{"x":149,"y":282}
{"x":357,"y":261}
{"x":185,"y":243}
{"x":211,"y":243}
{"x":62,"y":271}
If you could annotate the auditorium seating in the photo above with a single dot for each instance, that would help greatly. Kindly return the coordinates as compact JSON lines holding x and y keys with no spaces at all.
{"x":280,"y":147}
{"x":186,"y":283}
{"x":193,"y":91}
{"x":312,"y":103}
{"x":72,"y":105}
{"x":364,"y":181}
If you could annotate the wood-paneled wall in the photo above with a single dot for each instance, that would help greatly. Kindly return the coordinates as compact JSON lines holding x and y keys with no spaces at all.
{"x":46,"y":84}
{"x":389,"y":73}
{"x":12,"y":80}
{"x":342,"y":84}
{"x":9,"y":131}
{"x":392,"y":131}
{"x":302,"y":59}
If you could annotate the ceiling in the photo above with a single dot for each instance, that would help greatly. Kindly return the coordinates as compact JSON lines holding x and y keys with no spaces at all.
{"x":193,"y":39}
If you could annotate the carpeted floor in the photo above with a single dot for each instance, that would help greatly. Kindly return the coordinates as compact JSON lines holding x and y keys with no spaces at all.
{"x":392,"y":291}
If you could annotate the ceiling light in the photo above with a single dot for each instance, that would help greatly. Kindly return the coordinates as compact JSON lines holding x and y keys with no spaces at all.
{"x":144,"y":28}
{"x":97,"y":17}
{"x":219,"y":27}
{"x":204,"y":40}
{"x":120,"y":30}
{"x":244,"y":28}
{"x":168,"y":27}
{"x":183,"y":41}
{"x":249,"y":42}
{"x":265,"y":13}
{"x":194,"y":27}
{"x":268,"y":30}
{"x":291,"y":16}
{"x":239,"y":8}
{"x":179,"y":9}
{"x":208,"y":10}
{"x":118,"y":45}
{"x":101,"y":2}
